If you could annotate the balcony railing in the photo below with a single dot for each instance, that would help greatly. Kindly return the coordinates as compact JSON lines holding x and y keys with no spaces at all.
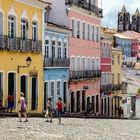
{"x":56,"y":62}
{"x":116,"y":87}
{"x":86,"y":5}
{"x":77,"y":75}
{"x":110,"y":87}
{"x":19,"y":44}
{"x":107,"y":87}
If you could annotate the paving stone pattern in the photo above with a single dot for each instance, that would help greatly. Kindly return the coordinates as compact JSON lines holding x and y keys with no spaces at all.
{"x":72,"y":129}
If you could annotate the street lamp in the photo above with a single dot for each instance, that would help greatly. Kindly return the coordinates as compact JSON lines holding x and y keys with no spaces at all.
{"x":28,"y":61}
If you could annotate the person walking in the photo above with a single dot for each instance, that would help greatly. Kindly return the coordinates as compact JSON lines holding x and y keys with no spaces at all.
{"x":22,"y":107}
{"x":49,"y":112}
{"x":59,"y":106}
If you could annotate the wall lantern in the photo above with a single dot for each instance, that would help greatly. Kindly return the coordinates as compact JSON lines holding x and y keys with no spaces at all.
{"x":28,"y":61}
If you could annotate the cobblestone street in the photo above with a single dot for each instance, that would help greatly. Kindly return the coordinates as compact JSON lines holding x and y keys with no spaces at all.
{"x":72,"y":129}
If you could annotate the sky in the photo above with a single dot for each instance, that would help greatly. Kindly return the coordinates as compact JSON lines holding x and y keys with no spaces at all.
{"x":112,"y":7}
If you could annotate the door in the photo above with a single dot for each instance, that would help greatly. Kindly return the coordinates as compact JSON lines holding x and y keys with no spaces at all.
{"x":12,"y":86}
{"x":93,"y":104}
{"x":1,"y":25}
{"x":83,"y":100}
{"x":108,"y":106}
{"x":65,"y":92}
{"x":1,"y":86}
{"x":24,"y":87}
{"x":34,"y":100}
{"x":88,"y":101}
{"x":45,"y":94}
{"x":72,"y":102}
{"x":78,"y":101}
{"x":97,"y":103}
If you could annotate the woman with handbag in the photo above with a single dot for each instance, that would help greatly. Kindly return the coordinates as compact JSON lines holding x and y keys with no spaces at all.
{"x":22,"y":107}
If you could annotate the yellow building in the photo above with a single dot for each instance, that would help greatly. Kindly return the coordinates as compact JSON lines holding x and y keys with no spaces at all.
{"x":116,"y":70}
{"x":21,"y":66}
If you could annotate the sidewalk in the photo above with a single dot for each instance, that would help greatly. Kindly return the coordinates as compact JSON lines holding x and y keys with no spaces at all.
{"x":40,"y":115}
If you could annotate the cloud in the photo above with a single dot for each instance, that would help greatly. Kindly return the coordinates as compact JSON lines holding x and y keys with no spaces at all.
{"x":112,"y":7}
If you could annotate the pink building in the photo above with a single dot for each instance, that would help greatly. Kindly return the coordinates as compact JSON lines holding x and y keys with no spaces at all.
{"x":106,"y":86}
{"x":84,"y":18}
{"x":84,"y":50}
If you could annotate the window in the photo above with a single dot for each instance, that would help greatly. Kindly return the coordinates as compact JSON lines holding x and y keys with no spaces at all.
{"x":78,"y":63}
{"x":1,"y":86}
{"x":46,"y":49}
{"x":109,"y":52}
{"x":98,"y":64}
{"x":24,"y":29}
{"x":83,"y":35}
{"x":88,"y":31}
{"x":53,"y":49}
{"x":58,"y":87}
{"x":88,"y":64}
{"x":1,"y":23}
{"x":112,"y":59}
{"x":59,"y":49}
{"x":11,"y":26}
{"x":102,"y":78}
{"x":72,"y":25}
{"x":52,"y":88}
{"x":78,"y":29}
{"x":93,"y":64}
{"x":34,"y":31}
{"x":102,"y":51}
{"x":97,"y":34}
{"x":84,"y":64}
{"x":118,"y":78}
{"x":97,"y":84}
{"x":72,"y":63}
{"x":119,"y":59}
{"x":92,"y":32}
{"x":113,"y":79}
{"x":65,"y":50}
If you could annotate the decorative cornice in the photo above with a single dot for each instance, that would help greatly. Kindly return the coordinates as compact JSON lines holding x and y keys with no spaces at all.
{"x":24,"y":14}
{"x":12,"y":11}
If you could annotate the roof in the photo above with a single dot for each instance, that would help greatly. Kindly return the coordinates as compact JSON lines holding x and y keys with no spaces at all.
{"x":123,"y":11}
{"x":137,"y":13}
{"x":128,"y":35}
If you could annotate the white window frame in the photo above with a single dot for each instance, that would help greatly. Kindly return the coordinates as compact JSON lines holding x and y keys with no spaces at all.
{"x":47,"y":46}
{"x":52,"y":95}
{"x":34,"y":28}
{"x":58,"y":88}
{"x":10,"y":22}
{"x":23,"y":25}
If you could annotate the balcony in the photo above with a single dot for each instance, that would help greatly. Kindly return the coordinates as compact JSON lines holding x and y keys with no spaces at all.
{"x":18,"y":44}
{"x":87,"y":6}
{"x":87,"y":74}
{"x":116,"y":87}
{"x":56,"y":62}
{"x":107,"y":87}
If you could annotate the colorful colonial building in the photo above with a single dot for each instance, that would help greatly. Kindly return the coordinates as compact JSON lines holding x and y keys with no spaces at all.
{"x":106,"y":84}
{"x":84,"y":18}
{"x":56,"y":63}
{"x":116,"y":71}
{"x":21,"y":66}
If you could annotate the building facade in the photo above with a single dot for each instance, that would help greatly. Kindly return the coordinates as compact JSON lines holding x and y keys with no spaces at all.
{"x":20,"y":49}
{"x":84,"y":18}
{"x":116,"y":70}
{"x":106,"y":84}
{"x":56,"y":63}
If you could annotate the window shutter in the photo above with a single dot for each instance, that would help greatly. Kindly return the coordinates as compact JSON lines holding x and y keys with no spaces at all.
{"x":90,"y":32}
{"x":81,"y":29}
{"x":75,"y":28}
{"x":86,"y":31}
{"x":95,"y":33}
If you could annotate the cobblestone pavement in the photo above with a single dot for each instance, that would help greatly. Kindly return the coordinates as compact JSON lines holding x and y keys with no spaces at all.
{"x":72,"y":129}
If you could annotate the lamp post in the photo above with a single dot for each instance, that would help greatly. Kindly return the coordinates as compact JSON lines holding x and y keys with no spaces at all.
{"x":28,"y":61}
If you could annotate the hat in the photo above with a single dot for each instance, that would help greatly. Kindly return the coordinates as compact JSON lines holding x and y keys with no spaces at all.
{"x":21,"y":93}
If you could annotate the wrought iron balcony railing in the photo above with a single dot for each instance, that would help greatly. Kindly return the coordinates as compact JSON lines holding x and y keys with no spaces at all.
{"x":19,"y":44}
{"x":116,"y":87}
{"x":56,"y":62}
{"x":86,"y":5}
{"x":77,"y":75}
{"x":107,"y":87}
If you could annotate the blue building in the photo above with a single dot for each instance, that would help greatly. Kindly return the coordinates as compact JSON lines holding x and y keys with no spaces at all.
{"x":124,"y":43}
{"x":56,"y":63}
